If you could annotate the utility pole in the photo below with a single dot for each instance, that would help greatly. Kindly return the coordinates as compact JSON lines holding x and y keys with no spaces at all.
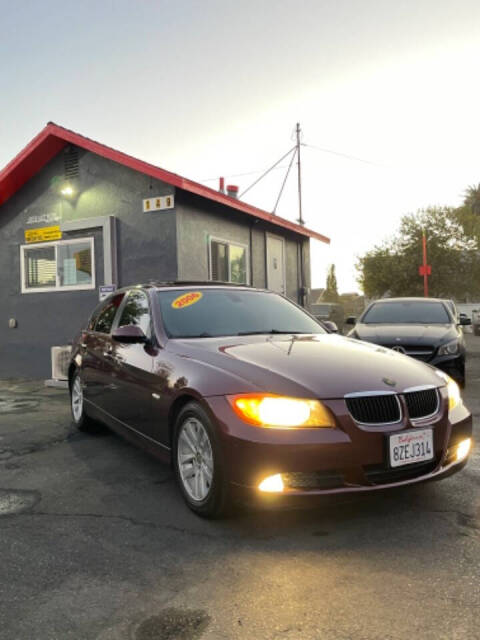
{"x":425,"y":269}
{"x":300,"y":218}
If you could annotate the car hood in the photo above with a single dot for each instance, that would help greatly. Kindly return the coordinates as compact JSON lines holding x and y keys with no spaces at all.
{"x":324,"y":366}
{"x":414,"y":334}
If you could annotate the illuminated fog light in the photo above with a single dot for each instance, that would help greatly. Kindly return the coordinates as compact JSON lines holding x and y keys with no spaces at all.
{"x":67,"y":190}
{"x":463,"y":449}
{"x":272,"y":484}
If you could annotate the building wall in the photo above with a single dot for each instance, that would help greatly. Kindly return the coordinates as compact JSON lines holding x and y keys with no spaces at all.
{"x":163,"y":245}
{"x":197,"y":222}
{"x":146,"y":249}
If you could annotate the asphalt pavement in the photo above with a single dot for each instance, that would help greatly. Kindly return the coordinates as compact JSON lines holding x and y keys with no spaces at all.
{"x":96,"y":543}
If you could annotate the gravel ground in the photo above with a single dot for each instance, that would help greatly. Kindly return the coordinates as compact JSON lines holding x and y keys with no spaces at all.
{"x":95,"y":542}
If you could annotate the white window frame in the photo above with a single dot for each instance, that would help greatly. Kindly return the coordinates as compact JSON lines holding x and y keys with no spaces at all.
{"x":229,"y":244}
{"x":58,"y":286}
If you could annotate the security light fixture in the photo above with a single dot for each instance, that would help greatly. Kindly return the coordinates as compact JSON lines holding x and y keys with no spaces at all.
{"x":67,"y":190}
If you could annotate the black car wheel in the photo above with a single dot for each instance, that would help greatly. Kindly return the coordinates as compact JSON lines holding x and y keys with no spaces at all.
{"x":197,"y":462}
{"x":80,"y":418}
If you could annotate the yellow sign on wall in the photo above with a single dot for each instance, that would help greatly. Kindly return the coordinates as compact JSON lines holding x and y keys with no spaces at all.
{"x":44,"y":234}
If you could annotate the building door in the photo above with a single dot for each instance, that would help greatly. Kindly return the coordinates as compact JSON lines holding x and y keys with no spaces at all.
{"x":276,"y":264}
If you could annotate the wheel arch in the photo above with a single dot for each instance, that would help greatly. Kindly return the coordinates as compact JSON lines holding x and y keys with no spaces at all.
{"x":178,"y":404}
{"x":71,"y":370}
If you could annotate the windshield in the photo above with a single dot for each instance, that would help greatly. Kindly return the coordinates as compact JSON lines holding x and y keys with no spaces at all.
{"x":204,"y":313}
{"x":407,"y":313}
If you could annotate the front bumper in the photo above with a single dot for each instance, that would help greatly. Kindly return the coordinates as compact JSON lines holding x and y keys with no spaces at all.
{"x":346,"y":459}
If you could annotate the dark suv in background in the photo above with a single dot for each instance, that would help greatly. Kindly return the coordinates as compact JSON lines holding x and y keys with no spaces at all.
{"x":423,"y":328}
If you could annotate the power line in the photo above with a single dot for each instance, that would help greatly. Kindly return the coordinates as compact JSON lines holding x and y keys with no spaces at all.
{"x":342,"y":155}
{"x":277,"y":167}
{"x":267,"y":171}
{"x":241,"y":175}
{"x":294,"y":154}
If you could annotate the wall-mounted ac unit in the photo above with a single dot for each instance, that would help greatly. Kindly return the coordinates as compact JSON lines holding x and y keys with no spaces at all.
{"x":60,"y":362}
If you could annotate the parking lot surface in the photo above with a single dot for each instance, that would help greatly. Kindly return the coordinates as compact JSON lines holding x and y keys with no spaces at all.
{"x":96,"y":543}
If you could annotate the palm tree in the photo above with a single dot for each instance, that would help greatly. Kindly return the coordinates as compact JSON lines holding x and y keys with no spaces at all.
{"x":471,"y":198}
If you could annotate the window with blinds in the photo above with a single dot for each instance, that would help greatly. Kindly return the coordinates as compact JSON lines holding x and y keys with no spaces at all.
{"x":228,"y":262}
{"x":62,"y":265}
{"x":40,"y":268}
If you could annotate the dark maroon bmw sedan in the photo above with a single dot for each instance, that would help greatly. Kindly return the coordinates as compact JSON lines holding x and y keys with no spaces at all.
{"x":243,"y":391}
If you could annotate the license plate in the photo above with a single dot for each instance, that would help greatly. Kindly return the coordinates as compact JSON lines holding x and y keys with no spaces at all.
{"x":411,"y":446}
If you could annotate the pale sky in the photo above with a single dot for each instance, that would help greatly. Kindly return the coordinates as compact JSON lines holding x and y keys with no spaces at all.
{"x":215,"y":88}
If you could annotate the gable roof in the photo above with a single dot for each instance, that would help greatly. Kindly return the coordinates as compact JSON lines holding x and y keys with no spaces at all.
{"x":53,"y":138}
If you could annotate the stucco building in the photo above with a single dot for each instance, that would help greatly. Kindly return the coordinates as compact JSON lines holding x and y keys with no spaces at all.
{"x":77,"y":216}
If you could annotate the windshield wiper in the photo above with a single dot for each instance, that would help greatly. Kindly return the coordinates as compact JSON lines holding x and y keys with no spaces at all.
{"x":267,"y":332}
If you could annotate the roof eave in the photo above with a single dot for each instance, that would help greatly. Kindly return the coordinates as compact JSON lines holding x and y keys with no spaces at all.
{"x":53,"y":138}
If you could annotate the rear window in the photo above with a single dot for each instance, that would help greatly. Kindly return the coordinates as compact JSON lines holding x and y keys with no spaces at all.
{"x":206,"y":313}
{"x":407,"y":313}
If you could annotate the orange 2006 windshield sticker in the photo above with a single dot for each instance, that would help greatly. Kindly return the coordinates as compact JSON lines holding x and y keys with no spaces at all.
{"x":187,"y":299}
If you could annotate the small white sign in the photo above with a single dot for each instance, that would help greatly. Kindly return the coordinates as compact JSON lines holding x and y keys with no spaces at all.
{"x":158,"y":204}
{"x":105,"y":290}
{"x":44,"y":218}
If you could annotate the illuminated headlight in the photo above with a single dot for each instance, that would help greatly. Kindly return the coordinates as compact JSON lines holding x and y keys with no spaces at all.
{"x":265,"y":410}
{"x":449,"y":349}
{"x":454,"y":397}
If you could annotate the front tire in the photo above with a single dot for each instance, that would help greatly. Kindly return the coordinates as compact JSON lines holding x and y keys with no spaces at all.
{"x":197,"y":462}
{"x":77,"y":404}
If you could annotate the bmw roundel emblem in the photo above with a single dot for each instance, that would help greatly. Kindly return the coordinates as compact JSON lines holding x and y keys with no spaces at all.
{"x":389,"y":381}
{"x":398,"y":349}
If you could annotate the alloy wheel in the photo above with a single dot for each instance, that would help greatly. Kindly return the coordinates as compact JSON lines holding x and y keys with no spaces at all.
{"x":77,"y":399}
{"x":195,"y":459}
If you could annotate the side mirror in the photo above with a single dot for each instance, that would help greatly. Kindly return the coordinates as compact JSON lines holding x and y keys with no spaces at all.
{"x":351,"y":320}
{"x":465,"y":321}
{"x":330,"y":326}
{"x":129,"y":334}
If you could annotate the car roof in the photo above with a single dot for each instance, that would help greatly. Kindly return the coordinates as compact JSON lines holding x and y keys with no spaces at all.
{"x":188,"y":284}
{"x":410,"y":299}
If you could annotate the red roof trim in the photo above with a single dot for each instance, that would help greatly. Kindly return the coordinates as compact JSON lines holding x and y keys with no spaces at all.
{"x":53,"y":138}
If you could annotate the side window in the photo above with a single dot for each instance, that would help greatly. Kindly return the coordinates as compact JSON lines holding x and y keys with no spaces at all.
{"x":137,"y":312}
{"x":94,"y":316}
{"x":107,"y":314}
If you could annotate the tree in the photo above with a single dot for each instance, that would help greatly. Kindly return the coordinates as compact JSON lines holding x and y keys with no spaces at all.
{"x":392,"y":268}
{"x":331,"y":291}
{"x":472,"y":198}
{"x":469,"y":213}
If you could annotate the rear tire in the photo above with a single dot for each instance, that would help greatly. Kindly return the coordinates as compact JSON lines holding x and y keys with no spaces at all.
{"x":197,"y":462}
{"x":77,"y":404}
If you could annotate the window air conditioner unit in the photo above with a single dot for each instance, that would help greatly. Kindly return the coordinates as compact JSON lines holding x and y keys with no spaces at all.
{"x":60,"y":362}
